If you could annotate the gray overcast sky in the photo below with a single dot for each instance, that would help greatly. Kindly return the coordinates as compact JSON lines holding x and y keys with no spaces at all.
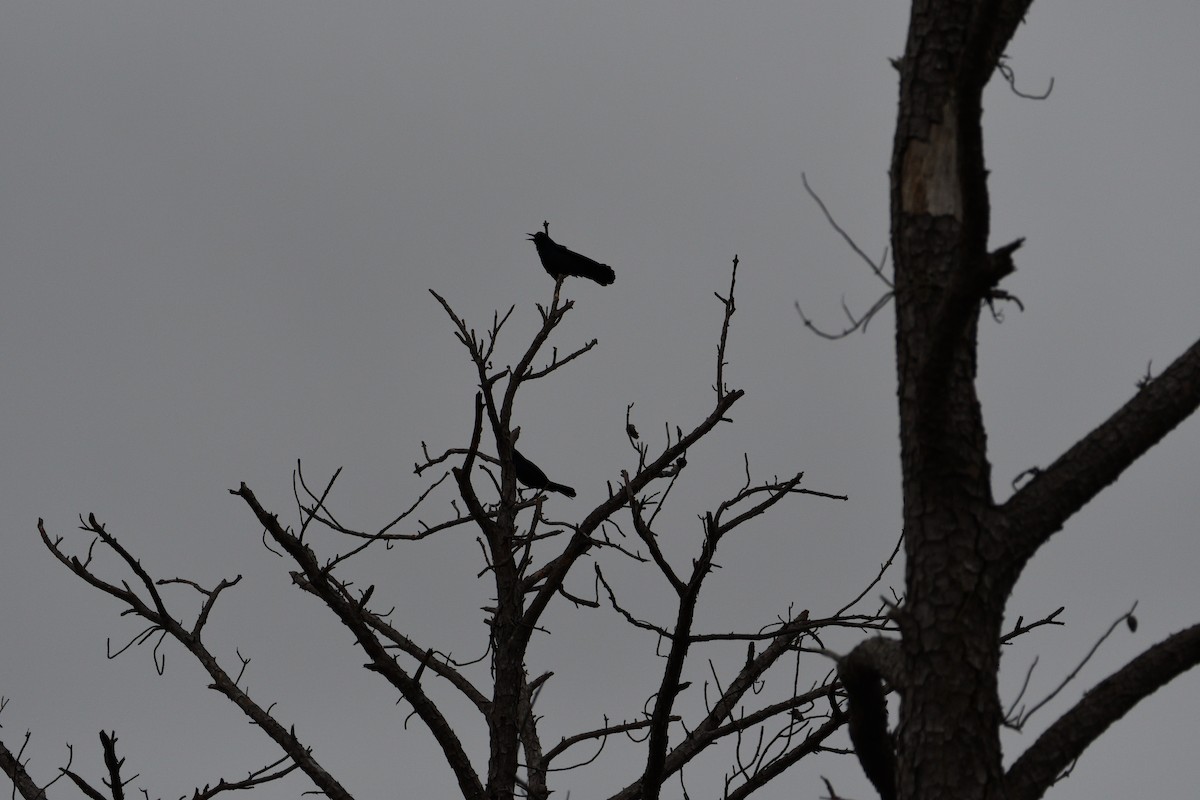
{"x":218,"y":223}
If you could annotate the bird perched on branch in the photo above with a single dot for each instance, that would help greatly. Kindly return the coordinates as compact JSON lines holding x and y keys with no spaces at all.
{"x":560,"y":261}
{"x":529,"y":474}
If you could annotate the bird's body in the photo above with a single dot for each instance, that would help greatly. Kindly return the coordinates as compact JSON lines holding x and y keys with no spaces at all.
{"x":529,"y":474}
{"x":559,"y":261}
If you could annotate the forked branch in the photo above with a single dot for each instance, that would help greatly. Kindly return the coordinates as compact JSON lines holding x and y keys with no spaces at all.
{"x":157,"y":615}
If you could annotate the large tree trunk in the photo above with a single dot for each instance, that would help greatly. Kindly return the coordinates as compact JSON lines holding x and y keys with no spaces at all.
{"x":964,"y":553}
{"x":948,"y":742}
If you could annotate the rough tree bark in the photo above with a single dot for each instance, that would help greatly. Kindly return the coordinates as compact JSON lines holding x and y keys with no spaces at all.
{"x":965,"y":552}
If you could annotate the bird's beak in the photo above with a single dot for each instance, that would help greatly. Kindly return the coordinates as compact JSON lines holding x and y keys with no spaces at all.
{"x":531,"y":236}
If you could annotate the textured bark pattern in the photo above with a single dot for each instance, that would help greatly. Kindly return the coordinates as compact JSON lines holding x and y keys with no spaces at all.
{"x":948,"y":740}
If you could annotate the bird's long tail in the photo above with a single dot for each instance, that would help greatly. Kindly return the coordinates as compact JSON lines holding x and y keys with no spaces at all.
{"x":601,"y":273}
{"x":551,"y":486}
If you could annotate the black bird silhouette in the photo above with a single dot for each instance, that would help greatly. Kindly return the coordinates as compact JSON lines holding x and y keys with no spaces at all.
{"x":560,"y":261}
{"x":529,"y":474}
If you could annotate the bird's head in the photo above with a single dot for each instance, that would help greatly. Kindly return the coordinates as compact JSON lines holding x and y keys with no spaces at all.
{"x":538,"y":237}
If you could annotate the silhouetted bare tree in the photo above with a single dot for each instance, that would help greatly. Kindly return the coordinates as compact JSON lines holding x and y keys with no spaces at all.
{"x":528,"y":557}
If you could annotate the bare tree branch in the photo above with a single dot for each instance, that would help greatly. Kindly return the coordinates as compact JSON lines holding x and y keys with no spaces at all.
{"x":712,"y":727}
{"x":876,"y":268}
{"x":439,"y":666}
{"x":728,"y":302}
{"x":23,"y":784}
{"x":857,"y":323}
{"x":811,"y":744}
{"x":1006,"y":71}
{"x":1026,"y":715}
{"x":1064,"y":741}
{"x":255,"y":778}
{"x":598,"y":733}
{"x":222,"y":682}
{"x":1040,"y":508}
{"x":351,"y":615}
{"x":581,"y":542}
